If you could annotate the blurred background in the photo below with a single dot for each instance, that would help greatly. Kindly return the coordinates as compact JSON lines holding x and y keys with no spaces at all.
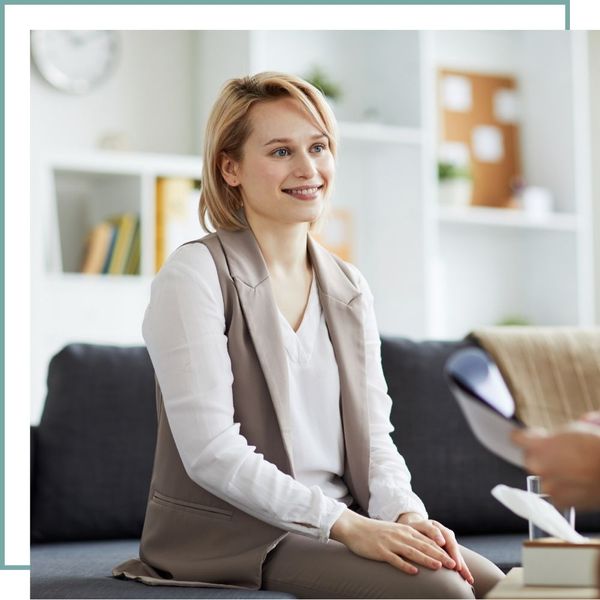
{"x":468,"y":187}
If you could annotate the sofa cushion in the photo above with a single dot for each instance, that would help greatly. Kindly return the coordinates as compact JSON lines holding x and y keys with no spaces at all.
{"x":503,"y":549}
{"x":83,"y":570}
{"x":95,"y":444}
{"x":451,"y":472}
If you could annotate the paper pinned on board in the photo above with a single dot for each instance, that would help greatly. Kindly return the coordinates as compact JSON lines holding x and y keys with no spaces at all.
{"x":488,"y":144}
{"x":534,"y":508}
{"x":456,"y":93}
{"x":454,"y":153}
{"x":506,"y":105}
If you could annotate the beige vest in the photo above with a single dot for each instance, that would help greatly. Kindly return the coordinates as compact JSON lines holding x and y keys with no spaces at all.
{"x":192,"y":537}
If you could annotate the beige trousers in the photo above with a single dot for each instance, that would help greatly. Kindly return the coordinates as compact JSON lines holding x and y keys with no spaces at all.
{"x":308,"y":568}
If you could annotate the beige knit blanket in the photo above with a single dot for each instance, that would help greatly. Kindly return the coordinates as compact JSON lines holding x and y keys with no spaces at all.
{"x":553,"y":373}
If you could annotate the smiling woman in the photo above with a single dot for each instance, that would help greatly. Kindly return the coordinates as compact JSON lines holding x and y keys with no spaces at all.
{"x":241,"y":127}
{"x":273,"y":413}
{"x":287,"y":169}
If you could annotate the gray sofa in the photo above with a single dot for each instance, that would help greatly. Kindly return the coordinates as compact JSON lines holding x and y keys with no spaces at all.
{"x":92,"y":460}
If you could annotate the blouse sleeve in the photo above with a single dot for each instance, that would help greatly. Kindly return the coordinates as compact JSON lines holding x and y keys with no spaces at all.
{"x":184,"y":330}
{"x":389,"y":478}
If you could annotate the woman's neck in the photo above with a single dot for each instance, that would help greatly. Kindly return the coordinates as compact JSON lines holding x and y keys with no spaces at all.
{"x":284,"y":247}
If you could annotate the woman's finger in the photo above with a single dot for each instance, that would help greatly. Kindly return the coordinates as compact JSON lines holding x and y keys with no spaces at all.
{"x":431,"y":530}
{"x":452,"y":547}
{"x":466,"y":574}
{"x":417,"y":534}
{"x":400,"y":564}
{"x":435,"y":552}
{"x":464,"y":570}
{"x":415,"y":555}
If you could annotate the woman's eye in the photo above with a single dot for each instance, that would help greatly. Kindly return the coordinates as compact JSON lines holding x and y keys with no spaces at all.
{"x":281,"y":152}
{"x":320,"y":148}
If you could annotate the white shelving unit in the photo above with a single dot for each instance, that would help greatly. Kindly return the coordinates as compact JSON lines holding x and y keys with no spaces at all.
{"x":81,"y":189}
{"x":88,"y":187}
{"x":435,"y":272}
{"x":492,"y":264}
{"x":498,"y":217}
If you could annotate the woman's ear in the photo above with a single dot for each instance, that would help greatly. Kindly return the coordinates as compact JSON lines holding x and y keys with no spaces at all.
{"x":229,"y":170}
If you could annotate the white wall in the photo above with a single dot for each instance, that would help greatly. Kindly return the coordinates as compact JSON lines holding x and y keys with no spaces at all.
{"x":151,"y":99}
{"x":215,"y":67}
{"x":497,"y":51}
{"x":594,"y":58}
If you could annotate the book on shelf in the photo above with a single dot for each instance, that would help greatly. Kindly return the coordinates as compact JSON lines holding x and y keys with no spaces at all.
{"x":125,"y":225}
{"x":113,"y":246}
{"x":132,"y":266}
{"x":97,"y":248}
{"x":113,"y":238}
{"x":177,"y":219}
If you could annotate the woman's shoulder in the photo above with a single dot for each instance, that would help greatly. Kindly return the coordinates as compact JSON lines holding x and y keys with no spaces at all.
{"x":191,"y":260}
{"x":359,"y":279}
{"x":352,"y":272}
{"x":186,"y":289}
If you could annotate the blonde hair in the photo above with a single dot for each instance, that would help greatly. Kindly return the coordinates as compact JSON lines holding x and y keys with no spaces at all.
{"x":229,"y":127}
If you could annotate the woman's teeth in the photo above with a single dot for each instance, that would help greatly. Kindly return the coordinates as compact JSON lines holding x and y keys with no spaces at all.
{"x":304,"y":192}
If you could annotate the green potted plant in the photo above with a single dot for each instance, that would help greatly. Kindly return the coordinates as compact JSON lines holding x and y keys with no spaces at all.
{"x":514,"y":321}
{"x":455,"y":184}
{"x":331,"y":90}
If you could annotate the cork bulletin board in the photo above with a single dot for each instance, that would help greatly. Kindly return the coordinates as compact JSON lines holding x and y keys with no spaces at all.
{"x":479,"y":126}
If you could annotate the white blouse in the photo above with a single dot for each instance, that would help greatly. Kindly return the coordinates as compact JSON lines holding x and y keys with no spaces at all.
{"x":184,"y":330}
{"x":314,"y":397}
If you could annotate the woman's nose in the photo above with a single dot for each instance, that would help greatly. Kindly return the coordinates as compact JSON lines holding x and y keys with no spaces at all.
{"x":305,"y":166}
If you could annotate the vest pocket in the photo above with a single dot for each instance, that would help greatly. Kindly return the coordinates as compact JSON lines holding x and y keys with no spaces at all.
{"x":212,"y":512}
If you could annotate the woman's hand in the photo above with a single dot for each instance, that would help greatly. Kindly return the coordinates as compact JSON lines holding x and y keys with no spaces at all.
{"x":442,"y":536}
{"x":394,"y":543}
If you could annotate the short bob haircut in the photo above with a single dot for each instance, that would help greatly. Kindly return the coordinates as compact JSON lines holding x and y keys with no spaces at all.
{"x":229,"y":127}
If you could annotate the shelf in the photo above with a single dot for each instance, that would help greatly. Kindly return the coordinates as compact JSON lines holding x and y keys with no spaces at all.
{"x":113,"y":162}
{"x":378,"y":132}
{"x":505,"y":217}
{"x":70,"y":278}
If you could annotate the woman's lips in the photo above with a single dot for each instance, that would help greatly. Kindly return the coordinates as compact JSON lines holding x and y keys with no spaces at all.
{"x":304,"y":193}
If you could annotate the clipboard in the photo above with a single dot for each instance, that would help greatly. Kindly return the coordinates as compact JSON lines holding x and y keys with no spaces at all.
{"x":485,"y":401}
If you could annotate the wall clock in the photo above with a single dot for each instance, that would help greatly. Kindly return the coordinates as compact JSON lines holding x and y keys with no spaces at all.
{"x":75,"y":61}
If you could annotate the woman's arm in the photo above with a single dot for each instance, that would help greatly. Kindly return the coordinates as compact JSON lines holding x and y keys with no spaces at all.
{"x":392,"y":498}
{"x":184,"y":331}
{"x":389,"y":480}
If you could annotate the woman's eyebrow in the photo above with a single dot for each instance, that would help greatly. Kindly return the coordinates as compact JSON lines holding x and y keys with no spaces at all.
{"x":317,"y":136}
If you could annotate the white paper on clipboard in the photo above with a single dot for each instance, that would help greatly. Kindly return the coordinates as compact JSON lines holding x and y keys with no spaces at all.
{"x":485,"y":401}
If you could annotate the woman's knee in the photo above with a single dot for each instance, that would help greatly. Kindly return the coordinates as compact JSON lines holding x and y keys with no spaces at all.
{"x":442,"y":583}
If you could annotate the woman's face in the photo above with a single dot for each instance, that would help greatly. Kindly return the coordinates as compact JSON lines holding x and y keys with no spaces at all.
{"x":287,"y":169}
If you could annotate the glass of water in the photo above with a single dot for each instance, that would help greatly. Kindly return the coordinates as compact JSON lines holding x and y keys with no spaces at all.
{"x":534,"y":485}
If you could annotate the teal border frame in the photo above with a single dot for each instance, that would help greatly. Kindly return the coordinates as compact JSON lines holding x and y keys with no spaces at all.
{"x":3,"y":565}
{"x":2,"y":430}
{"x":565,"y":3}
